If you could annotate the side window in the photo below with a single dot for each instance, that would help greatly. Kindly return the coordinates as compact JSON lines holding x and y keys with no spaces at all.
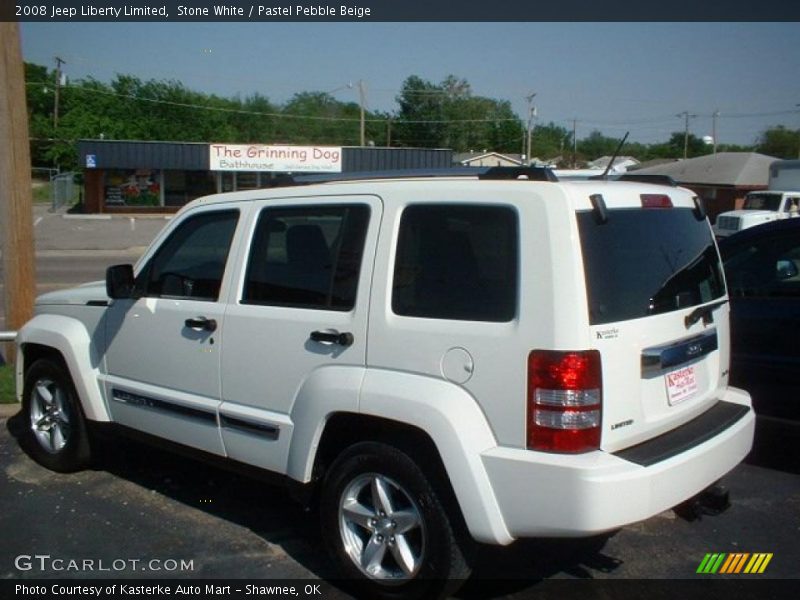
{"x":307,"y":257}
{"x":456,"y":262}
{"x":191,"y":262}
{"x":765,"y":268}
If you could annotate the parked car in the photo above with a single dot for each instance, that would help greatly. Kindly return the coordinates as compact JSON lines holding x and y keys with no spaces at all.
{"x":762,"y":266}
{"x":430,"y":361}
{"x":780,"y":201}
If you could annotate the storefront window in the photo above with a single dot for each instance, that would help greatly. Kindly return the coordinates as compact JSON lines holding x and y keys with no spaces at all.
{"x":181,"y":187}
{"x":247,"y":180}
{"x":227,"y":181}
{"x":133,"y":187}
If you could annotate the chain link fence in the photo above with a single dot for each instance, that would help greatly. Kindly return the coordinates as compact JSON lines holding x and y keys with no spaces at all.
{"x":63,"y":189}
{"x":56,"y":188}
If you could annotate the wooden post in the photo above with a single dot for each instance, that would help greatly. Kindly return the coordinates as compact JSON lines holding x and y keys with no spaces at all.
{"x":16,"y":199}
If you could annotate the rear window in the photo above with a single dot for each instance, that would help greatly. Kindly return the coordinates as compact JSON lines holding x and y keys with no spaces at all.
{"x":643,"y":262}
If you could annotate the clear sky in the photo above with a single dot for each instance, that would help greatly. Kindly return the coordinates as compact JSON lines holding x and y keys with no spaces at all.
{"x":612,"y":77}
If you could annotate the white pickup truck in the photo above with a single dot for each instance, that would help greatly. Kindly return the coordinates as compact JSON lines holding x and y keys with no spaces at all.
{"x":780,"y":201}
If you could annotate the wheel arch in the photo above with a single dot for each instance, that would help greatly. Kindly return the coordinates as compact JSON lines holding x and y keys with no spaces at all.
{"x":344,"y":430}
{"x":437,"y":422}
{"x":64,"y":340}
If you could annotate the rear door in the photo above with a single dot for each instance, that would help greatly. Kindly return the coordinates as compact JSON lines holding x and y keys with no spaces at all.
{"x":300,"y":307}
{"x":658,"y":316}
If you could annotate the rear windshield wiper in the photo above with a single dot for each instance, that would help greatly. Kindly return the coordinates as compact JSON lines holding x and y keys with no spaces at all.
{"x":702,"y":312}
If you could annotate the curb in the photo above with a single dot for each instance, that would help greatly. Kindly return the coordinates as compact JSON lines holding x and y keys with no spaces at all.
{"x":9,"y":410}
{"x":90,"y":217}
{"x":91,"y":252}
{"x":132,"y":251}
{"x":116,"y":216}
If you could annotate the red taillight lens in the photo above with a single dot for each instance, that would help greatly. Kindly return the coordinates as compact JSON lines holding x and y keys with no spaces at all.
{"x":655,"y":201}
{"x":564,"y":401}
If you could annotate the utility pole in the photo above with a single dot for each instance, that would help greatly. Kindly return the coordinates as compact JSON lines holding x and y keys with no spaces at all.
{"x":714,"y":118}
{"x":15,"y":181}
{"x":531,"y":111}
{"x":389,"y":133}
{"x":798,"y":139}
{"x":59,"y":62}
{"x":361,"y":101}
{"x":574,"y":141}
{"x":685,"y":114}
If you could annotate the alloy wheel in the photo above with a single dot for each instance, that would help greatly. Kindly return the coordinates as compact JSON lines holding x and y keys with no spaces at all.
{"x":49,"y":415}
{"x":382,"y":528}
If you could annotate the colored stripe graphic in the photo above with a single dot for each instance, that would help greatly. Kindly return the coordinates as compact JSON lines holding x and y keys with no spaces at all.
{"x":758,"y":563}
{"x":734,"y":563}
{"x":723,"y":563}
{"x":711,"y":563}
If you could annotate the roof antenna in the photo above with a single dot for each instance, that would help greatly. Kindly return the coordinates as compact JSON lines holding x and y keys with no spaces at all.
{"x":614,"y":156}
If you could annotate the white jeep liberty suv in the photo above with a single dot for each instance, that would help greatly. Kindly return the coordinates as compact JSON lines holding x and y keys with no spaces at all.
{"x":437,"y":360}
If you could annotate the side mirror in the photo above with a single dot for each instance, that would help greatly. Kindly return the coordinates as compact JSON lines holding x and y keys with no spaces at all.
{"x":119,"y":282}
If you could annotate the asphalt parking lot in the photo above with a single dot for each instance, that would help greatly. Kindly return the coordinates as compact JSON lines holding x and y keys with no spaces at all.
{"x":141,"y":505}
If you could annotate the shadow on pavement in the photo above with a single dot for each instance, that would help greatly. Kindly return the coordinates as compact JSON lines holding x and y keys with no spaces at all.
{"x":776,"y":446}
{"x":500,"y":572}
{"x":269,"y":512}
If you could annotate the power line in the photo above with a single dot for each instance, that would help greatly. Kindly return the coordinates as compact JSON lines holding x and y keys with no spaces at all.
{"x":280,"y":115}
{"x":656,"y":123}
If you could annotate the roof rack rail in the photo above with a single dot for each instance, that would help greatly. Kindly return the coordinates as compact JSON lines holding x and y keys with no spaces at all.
{"x":643,"y":178}
{"x":490,"y":173}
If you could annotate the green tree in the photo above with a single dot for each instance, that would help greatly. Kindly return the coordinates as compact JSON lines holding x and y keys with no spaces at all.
{"x":551,"y":140}
{"x":673,"y":148}
{"x":735,"y":148}
{"x":448,"y":115}
{"x":333,"y":122}
{"x":421,"y":115}
{"x":779,"y":142}
{"x":596,"y":145}
{"x":40,"y":87}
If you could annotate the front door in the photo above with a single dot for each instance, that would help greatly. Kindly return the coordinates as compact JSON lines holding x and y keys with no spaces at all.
{"x":296,"y":326}
{"x":163,"y":354}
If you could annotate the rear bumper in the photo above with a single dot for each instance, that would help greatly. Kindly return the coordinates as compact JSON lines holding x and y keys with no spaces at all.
{"x":543,"y":494}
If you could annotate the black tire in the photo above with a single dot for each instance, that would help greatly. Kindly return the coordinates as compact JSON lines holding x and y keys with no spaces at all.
{"x":55,"y":433}
{"x":399,"y":515}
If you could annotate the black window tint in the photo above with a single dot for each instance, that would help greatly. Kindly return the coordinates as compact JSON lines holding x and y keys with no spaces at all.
{"x":307,"y":257}
{"x":767,"y":267}
{"x":642,"y":262}
{"x":191,"y":262}
{"x":456,"y":262}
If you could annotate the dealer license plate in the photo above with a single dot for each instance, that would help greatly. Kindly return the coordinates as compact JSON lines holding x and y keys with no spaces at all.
{"x":681,"y":385}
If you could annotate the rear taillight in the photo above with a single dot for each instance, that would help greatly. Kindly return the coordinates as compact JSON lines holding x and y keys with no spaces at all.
{"x":564,"y":401}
